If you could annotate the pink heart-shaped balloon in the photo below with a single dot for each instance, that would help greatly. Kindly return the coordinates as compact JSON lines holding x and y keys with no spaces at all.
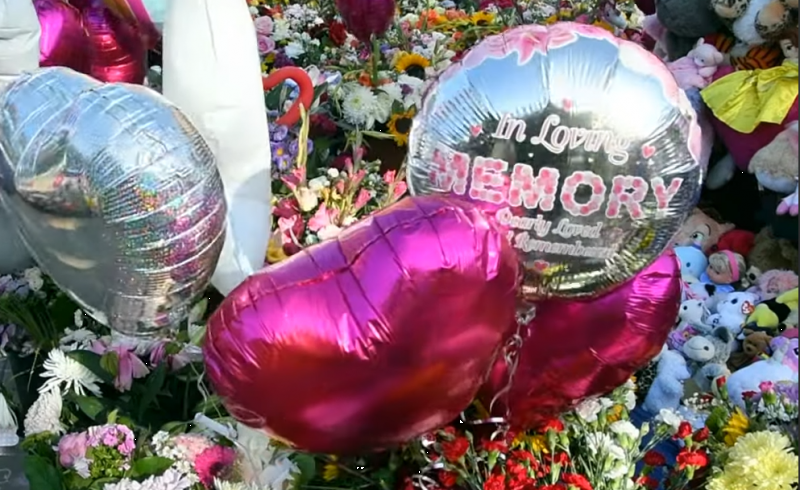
{"x":574,"y":349}
{"x":371,"y":339}
{"x":63,"y":41}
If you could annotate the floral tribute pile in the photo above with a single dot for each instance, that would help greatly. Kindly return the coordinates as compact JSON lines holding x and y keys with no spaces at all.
{"x":103,"y":412}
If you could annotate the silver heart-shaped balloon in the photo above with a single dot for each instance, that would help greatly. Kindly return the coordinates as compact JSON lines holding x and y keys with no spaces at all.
{"x":115,"y":194}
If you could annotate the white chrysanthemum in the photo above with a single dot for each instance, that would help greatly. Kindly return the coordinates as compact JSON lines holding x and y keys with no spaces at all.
{"x":80,"y":339}
{"x":64,"y":373}
{"x":226,"y":485}
{"x":169,"y":480}
{"x":45,"y":414}
{"x":360,"y":106}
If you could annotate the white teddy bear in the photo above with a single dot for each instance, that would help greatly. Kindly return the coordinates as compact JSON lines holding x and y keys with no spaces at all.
{"x":733,"y":311}
{"x":667,"y":388}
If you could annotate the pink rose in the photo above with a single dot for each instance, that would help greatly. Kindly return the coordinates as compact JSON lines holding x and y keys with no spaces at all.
{"x":72,"y":447}
{"x":264,"y":26}
{"x":265,"y":45}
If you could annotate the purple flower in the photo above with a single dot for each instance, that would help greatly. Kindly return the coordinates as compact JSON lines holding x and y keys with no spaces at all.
{"x":278,"y":132}
{"x":281,"y":157}
{"x":72,"y":447}
{"x":788,"y":391}
{"x":294,"y":147}
{"x":115,"y":436}
{"x":282,"y":60}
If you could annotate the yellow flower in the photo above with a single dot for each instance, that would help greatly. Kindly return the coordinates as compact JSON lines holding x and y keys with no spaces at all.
{"x":411,"y":63}
{"x":330,"y":471}
{"x":551,"y":20}
{"x":482,"y":18}
{"x":614,"y":414}
{"x":538,"y":443}
{"x":736,"y":427}
{"x":759,"y":461}
{"x":399,"y":125}
{"x":603,"y":25}
{"x":275,"y":251}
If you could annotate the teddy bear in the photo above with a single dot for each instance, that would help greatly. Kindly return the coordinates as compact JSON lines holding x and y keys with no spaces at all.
{"x":694,"y":71}
{"x":691,"y":322}
{"x":754,"y":345}
{"x":770,"y":253}
{"x":775,"y":165}
{"x":667,"y":388}
{"x":732,"y":312}
{"x":702,"y":230}
{"x":707,"y":374}
{"x":782,"y":366}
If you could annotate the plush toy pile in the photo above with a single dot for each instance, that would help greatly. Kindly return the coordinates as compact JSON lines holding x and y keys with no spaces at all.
{"x":738,"y":320}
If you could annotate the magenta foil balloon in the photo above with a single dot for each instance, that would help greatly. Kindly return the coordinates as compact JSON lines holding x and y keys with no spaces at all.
{"x":116,"y":50}
{"x":63,"y":41}
{"x":366,"y":18}
{"x":577,"y":348}
{"x":371,"y":339}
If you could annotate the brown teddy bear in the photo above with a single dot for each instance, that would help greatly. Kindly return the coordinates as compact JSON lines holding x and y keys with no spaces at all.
{"x":754,"y":345}
{"x":770,"y":253}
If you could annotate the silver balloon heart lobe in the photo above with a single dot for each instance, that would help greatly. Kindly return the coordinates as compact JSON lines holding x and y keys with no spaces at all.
{"x":115,"y":194}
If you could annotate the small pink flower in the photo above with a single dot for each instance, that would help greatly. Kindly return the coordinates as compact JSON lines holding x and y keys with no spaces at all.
{"x":264,"y":25}
{"x":389,"y":176}
{"x":766,"y":386}
{"x":400,"y":188}
{"x":212,"y":463}
{"x":117,"y":436}
{"x":295,"y":178}
{"x":362,"y":199}
{"x":130,"y":368}
{"x":72,"y":447}
{"x":322,"y":218}
{"x":265,"y":44}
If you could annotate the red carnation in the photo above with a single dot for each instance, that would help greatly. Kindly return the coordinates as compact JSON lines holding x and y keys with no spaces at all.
{"x":554,"y":424}
{"x":498,"y":446}
{"x":455,"y":449}
{"x":654,"y":459}
{"x":701,"y":435}
{"x":576,"y":480}
{"x":648,"y":482}
{"x":495,"y":482}
{"x":684,"y":430}
{"x":448,"y":478}
{"x":696,"y":459}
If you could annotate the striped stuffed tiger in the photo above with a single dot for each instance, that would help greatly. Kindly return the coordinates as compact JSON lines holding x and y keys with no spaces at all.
{"x":755,"y":58}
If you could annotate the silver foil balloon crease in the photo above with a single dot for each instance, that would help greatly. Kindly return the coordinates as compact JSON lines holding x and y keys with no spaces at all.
{"x":115,"y":194}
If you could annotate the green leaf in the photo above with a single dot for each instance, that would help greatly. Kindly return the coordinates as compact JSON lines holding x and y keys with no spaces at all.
{"x":42,"y":474}
{"x":92,"y":363}
{"x":174,"y":427}
{"x":112,"y":417}
{"x":152,"y":386}
{"x":90,"y":405}
{"x":307,"y":466}
{"x":110,"y":362}
{"x":150,"y":466}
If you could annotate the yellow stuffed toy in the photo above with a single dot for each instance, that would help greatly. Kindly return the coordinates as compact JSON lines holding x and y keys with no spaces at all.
{"x":773,"y":316}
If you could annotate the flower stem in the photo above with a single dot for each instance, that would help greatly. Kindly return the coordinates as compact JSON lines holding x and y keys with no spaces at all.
{"x":376,"y":52}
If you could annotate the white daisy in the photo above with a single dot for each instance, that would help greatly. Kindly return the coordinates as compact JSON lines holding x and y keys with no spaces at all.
{"x":45,"y":415}
{"x":65,"y":373}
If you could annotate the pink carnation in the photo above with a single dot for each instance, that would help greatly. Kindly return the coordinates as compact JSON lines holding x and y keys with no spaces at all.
{"x":191,"y":445}
{"x":214,"y":462}
{"x":117,"y":436}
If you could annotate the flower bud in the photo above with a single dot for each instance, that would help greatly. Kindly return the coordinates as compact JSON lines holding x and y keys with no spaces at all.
{"x":366,"y":18}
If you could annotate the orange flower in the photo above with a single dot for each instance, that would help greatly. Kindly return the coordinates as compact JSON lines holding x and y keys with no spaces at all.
{"x":453,"y":14}
{"x":365,"y":79}
{"x":428,"y":18}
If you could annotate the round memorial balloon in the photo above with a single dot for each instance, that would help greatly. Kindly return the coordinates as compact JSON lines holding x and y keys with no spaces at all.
{"x":115,"y":194}
{"x":580,"y":144}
